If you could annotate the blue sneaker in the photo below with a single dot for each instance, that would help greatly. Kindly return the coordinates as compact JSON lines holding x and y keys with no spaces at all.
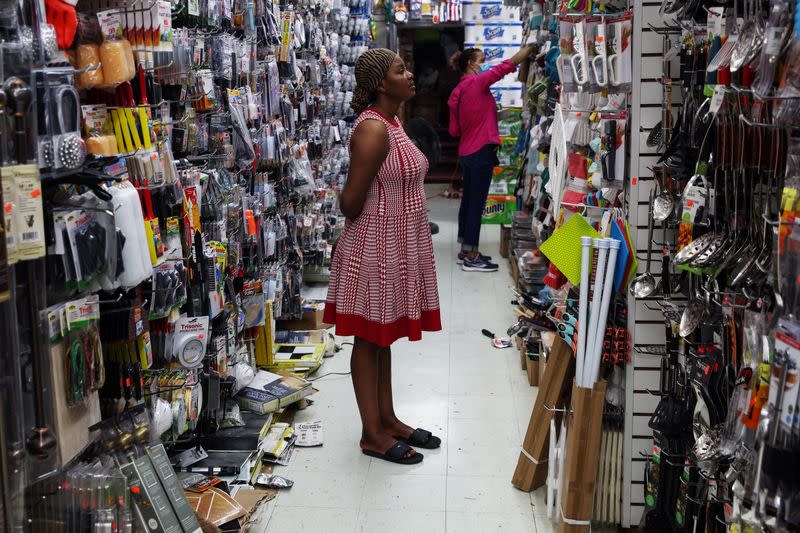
{"x":462,"y":255}
{"x":479,"y":264}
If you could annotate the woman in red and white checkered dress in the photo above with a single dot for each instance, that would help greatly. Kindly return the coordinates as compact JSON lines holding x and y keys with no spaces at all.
{"x":383,"y":276}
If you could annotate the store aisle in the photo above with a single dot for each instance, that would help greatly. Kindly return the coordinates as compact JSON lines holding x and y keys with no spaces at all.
{"x":453,"y":383}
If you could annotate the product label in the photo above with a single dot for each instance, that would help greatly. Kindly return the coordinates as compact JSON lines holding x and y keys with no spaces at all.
{"x":9,"y":200}
{"x":110,"y":24}
{"x":80,"y":312}
{"x":286,"y":31}
{"x":774,"y":41}
{"x":164,"y":18}
{"x":29,"y":217}
{"x":493,"y":33}
{"x":94,"y":118}
{"x":491,"y":11}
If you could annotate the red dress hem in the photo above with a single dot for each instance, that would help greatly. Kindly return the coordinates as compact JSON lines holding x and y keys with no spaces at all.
{"x":379,"y":333}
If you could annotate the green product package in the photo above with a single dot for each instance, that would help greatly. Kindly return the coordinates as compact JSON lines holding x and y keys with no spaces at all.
{"x":498,"y":209}
{"x":563,"y":247}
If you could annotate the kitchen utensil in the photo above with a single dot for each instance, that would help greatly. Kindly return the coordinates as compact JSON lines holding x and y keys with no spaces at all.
{"x":557,"y":161}
{"x":70,"y":147}
{"x":615,"y":59}
{"x":748,"y":44}
{"x":645,"y":284}
{"x":724,"y":55}
{"x":608,"y":160}
{"x":659,"y":135}
{"x":600,"y":61}
{"x":694,"y":314}
{"x":579,"y":59}
{"x":664,"y":202}
{"x":695,"y":248}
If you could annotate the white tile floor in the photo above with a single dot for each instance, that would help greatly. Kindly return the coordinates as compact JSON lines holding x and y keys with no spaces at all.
{"x":453,"y":383}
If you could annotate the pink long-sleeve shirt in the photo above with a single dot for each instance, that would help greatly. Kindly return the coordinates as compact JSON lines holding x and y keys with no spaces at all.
{"x":473,"y":110}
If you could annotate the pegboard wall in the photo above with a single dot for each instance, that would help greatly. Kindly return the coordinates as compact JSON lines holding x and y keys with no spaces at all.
{"x":645,"y":320}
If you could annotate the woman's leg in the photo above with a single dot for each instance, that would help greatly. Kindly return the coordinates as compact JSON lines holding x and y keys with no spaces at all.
{"x":391,"y":424}
{"x":465,"y":198}
{"x":364,"y":367}
{"x":481,"y":178}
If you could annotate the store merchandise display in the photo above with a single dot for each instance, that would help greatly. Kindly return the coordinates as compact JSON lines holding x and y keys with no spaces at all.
{"x":722,"y":196}
{"x":572,"y":255}
{"x":167,"y":180}
{"x":430,"y":11}
{"x":725,"y":194}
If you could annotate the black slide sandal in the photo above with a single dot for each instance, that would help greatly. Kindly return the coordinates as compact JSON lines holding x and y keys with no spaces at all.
{"x":397,"y":454}
{"x":422,"y":438}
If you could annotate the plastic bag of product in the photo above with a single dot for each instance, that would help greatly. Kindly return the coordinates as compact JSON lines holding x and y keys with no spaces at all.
{"x":232,"y":417}
{"x":116,"y":54}
{"x":87,"y":56}
{"x":272,"y":481}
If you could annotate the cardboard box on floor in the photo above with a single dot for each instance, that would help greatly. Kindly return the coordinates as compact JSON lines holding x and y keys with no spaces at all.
{"x":312,"y":319}
{"x":584,"y":425}
{"x":531,"y":471}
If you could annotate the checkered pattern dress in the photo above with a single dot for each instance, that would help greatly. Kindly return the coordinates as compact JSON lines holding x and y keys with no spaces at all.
{"x":383,"y":275}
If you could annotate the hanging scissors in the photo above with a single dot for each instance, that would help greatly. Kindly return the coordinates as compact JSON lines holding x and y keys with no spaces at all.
{"x":613,"y":64}
{"x":600,"y":61}
{"x":579,"y":60}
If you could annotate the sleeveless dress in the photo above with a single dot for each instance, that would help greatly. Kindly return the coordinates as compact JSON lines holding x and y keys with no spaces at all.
{"x":383,"y":276}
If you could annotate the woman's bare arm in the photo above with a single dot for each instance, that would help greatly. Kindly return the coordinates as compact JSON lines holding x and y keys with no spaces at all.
{"x":369,"y":147}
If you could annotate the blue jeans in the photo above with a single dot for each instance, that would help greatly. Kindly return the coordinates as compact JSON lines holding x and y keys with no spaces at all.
{"x":477,"y":173}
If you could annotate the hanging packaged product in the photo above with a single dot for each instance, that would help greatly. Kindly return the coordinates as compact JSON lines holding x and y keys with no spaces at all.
{"x":98,"y":132}
{"x":136,"y":247}
{"x":694,"y":208}
{"x":116,"y":54}
{"x":189,"y":340}
{"x":87,"y":60}
{"x":254,"y":303}
{"x":612,"y":159}
{"x":169,"y":288}
{"x":28,"y":221}
{"x":620,"y":55}
{"x":73,"y":326}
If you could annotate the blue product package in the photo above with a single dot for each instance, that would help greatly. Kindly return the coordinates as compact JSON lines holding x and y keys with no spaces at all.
{"x":622,"y":256}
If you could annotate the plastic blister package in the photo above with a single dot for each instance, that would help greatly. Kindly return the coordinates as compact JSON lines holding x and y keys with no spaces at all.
{"x":776,"y":35}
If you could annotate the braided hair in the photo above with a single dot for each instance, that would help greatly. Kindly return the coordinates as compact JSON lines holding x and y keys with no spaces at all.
{"x":371,"y":67}
{"x":460,"y":60}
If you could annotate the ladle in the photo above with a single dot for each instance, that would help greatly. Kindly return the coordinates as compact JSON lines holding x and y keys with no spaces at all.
{"x":645,"y":284}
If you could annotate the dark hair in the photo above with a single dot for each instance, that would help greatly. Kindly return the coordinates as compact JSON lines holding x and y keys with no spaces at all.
{"x":460,"y":60}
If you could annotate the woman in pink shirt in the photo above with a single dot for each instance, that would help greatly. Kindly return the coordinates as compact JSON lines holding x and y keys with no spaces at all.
{"x":473,"y":118}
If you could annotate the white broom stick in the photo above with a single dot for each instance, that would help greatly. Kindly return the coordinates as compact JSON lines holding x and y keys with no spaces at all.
{"x":583,"y":306}
{"x":602,"y":245}
{"x":592,"y":372}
